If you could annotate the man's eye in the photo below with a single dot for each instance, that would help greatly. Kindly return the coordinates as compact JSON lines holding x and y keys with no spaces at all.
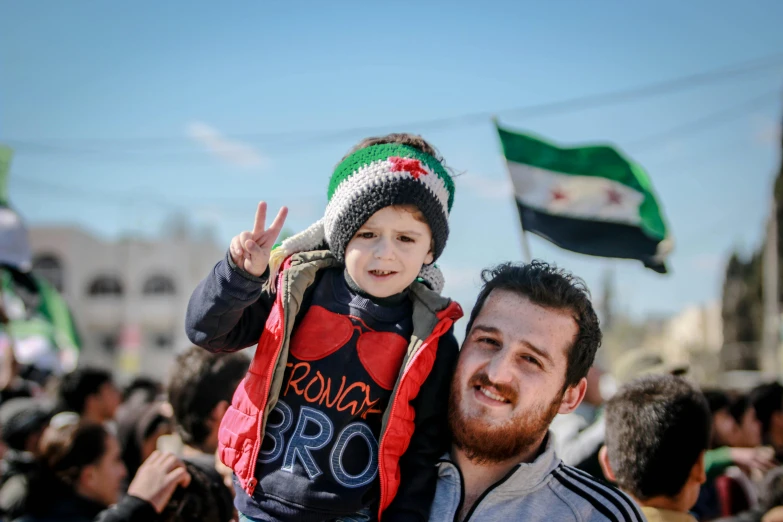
{"x":406,"y":239}
{"x":365,"y":235}
{"x":531,"y":360}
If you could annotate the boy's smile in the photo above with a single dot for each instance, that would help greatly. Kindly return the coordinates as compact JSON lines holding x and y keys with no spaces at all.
{"x":387,"y":252}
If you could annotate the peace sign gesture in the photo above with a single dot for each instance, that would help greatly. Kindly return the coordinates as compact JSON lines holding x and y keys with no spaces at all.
{"x":250,"y":250}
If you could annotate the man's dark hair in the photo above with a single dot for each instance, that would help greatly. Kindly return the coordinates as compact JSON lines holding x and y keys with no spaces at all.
{"x":145,"y":387}
{"x":205,"y":498}
{"x":657,"y":426}
{"x":550,"y":287}
{"x":766,"y":399}
{"x":738,"y":406}
{"x":78,"y":385}
{"x":199,"y":381}
{"x":717,"y":400}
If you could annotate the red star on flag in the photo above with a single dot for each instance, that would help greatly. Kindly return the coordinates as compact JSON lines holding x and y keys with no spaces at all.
{"x":615,"y":198}
{"x":408,"y":165}
{"x":558,"y":194}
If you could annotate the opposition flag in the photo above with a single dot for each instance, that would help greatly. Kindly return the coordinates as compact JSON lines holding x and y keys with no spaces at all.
{"x":590,"y":200}
{"x":5,"y":165}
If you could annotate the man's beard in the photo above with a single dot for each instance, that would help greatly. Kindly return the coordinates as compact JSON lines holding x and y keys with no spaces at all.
{"x":485,"y":442}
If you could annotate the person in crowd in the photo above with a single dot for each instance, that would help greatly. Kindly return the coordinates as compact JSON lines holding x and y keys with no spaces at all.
{"x":139,"y":426}
{"x":531,"y":339}
{"x":581,"y":449}
{"x":767,"y":402}
{"x":22,"y":422}
{"x":90,"y":393}
{"x":657,"y":433}
{"x":148,"y":389}
{"x":355,"y":344}
{"x":199,"y":390}
{"x":204,"y":500}
{"x":81,"y":473}
{"x":770,"y":507}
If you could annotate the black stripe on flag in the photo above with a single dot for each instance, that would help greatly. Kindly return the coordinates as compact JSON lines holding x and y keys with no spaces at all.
{"x":591,"y":237}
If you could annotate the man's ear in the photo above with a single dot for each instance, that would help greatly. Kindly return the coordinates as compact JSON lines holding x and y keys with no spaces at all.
{"x":606,"y":467}
{"x":573,"y":397}
{"x":429,"y":258}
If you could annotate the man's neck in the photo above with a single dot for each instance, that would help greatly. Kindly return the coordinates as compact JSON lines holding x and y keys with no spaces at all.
{"x":479,"y":477}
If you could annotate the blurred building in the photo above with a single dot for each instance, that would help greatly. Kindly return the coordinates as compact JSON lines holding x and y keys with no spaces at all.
{"x":128,"y":296}
{"x":694,"y":336}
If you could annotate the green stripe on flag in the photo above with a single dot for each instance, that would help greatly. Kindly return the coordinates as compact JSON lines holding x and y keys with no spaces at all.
{"x":5,"y":165}
{"x":601,"y":161}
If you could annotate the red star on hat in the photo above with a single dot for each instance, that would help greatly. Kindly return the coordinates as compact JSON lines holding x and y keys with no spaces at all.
{"x":408,"y":165}
{"x":558,"y":194}
{"x":615,"y":198}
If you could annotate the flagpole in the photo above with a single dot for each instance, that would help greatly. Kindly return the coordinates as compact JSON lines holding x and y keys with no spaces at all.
{"x":525,"y":242}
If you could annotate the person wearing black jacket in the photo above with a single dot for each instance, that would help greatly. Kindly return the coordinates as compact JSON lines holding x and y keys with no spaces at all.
{"x":80,"y":476}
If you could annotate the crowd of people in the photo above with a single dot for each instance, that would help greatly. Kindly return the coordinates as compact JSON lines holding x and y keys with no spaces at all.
{"x":359,"y":404}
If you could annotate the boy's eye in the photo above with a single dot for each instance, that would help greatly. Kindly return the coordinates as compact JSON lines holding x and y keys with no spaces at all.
{"x":488,"y":341}
{"x":406,"y":239}
{"x":365,"y":235}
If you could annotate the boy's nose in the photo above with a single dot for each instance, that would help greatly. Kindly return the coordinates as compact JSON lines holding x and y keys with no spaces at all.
{"x":384,"y":249}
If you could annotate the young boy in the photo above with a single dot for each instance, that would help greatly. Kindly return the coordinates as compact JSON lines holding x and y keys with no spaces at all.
{"x":342,"y":414}
{"x":657,"y":432}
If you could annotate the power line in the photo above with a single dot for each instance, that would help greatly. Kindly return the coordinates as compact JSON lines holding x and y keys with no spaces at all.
{"x":535,"y":110}
{"x":704,"y":122}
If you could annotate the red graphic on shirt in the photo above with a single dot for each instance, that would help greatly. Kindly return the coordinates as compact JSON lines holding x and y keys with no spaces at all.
{"x":408,"y":165}
{"x":323,"y":332}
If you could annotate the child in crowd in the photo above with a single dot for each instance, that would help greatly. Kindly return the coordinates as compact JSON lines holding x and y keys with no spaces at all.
{"x":343,"y":412}
{"x":657,"y":432}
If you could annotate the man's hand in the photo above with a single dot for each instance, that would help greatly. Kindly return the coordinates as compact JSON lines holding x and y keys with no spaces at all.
{"x":749,"y":459}
{"x":157,"y":479}
{"x":250,"y":250}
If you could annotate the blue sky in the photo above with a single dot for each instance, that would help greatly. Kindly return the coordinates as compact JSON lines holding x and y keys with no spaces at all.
{"x":123,"y":113}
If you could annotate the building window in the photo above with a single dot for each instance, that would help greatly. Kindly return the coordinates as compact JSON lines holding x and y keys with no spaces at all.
{"x":109,"y":342}
{"x":163,"y":341}
{"x":158,"y":285}
{"x":105,"y":285}
{"x":50,"y":268}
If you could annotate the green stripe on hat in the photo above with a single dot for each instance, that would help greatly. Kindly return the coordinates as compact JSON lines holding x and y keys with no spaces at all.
{"x":381,"y":152}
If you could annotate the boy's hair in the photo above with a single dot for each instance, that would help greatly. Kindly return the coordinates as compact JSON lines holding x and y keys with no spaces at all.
{"x":78,"y":385}
{"x":199,"y":381}
{"x":547,"y":286}
{"x":402,"y":138}
{"x":657,"y":427}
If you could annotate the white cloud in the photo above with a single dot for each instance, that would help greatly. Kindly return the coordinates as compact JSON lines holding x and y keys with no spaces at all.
{"x":234,"y":152}
{"x":486,"y":188}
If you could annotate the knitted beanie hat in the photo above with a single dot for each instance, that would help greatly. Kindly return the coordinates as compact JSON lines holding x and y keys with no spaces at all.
{"x":368,"y":180}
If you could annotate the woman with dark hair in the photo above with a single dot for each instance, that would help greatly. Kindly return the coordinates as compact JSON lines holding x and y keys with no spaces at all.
{"x":81,"y":473}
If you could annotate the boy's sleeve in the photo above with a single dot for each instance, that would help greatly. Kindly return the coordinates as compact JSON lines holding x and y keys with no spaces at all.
{"x":431,"y":439}
{"x":228,"y":309}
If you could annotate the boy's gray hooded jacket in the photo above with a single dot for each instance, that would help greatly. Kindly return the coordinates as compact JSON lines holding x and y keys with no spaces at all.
{"x":544,"y":490}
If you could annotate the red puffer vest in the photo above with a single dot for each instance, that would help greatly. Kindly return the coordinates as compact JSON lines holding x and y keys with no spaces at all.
{"x":242,"y":428}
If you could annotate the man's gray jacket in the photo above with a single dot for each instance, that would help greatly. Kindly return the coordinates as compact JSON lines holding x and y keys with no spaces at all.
{"x":544,"y":490}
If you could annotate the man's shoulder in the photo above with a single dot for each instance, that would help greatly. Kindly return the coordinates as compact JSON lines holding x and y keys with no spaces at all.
{"x":593,"y":499}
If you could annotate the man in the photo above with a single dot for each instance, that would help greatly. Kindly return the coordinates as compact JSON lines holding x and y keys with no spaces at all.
{"x":657,"y":433}
{"x":22,"y":422}
{"x":767,"y":402}
{"x":91,"y":393}
{"x":200,"y":390}
{"x":531,"y":339}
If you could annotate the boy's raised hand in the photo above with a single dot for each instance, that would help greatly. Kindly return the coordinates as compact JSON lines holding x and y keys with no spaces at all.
{"x":250,"y":250}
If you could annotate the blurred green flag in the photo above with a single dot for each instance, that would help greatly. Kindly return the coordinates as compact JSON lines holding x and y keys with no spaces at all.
{"x":5,"y":165}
